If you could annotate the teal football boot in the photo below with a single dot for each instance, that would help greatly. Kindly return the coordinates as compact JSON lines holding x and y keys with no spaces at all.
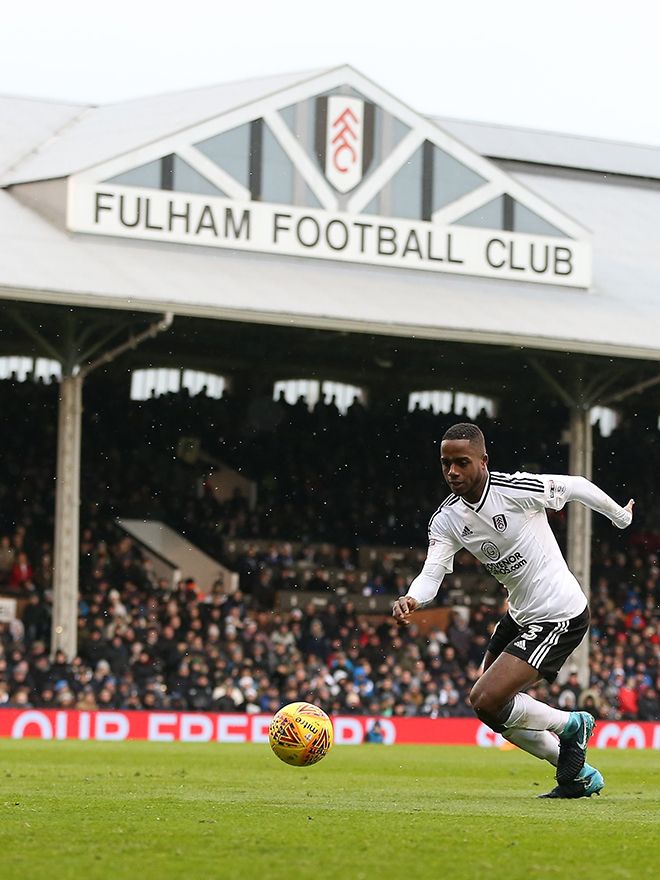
{"x":573,"y":746}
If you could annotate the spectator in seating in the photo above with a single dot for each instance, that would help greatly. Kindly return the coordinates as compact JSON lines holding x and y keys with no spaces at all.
{"x":7,"y":557}
{"x":21,"y":576}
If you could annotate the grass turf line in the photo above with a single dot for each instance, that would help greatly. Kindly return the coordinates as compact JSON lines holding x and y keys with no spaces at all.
{"x":166,"y":811}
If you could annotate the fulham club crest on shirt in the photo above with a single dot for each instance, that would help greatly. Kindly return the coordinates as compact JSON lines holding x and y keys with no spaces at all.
{"x":500,"y":523}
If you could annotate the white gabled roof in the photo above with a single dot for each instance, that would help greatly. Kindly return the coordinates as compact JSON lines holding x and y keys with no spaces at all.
{"x":41,"y":140}
{"x":619,"y":315}
{"x":551,"y":148}
{"x":27,"y":123}
{"x":105,"y":132}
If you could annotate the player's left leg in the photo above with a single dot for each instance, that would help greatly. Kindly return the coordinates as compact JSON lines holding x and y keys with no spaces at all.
{"x":529,"y":723}
{"x":573,"y":745}
{"x":538,"y":649}
{"x":544,"y":745}
{"x":497,"y":699}
{"x":540,"y":743}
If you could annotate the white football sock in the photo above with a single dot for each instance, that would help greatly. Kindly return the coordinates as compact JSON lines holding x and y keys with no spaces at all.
{"x":532,"y":714}
{"x":540,"y":743}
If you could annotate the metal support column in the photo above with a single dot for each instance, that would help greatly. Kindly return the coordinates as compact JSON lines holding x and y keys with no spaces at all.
{"x":64,"y":630}
{"x":579,"y":525}
{"x":67,"y":518}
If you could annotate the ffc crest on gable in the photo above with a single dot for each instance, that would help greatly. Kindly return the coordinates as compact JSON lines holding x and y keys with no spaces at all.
{"x":333,"y":168}
{"x":345,"y":139}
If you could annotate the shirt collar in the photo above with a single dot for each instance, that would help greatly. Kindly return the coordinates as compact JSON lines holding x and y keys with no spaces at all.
{"x":477,"y":507}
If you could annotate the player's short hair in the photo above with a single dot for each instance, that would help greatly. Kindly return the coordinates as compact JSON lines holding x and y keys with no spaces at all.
{"x":466,"y":431}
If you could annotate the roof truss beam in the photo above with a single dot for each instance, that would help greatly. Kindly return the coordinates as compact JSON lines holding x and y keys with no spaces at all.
{"x":213,"y":173}
{"x":467,"y":203}
{"x":301,"y":161}
{"x":385,"y":172}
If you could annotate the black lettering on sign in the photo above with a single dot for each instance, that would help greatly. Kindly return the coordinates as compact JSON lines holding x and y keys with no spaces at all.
{"x":206,"y":221}
{"x":99,"y":206}
{"x":147,"y":223}
{"x":449,"y":256}
{"x":386,"y":241}
{"x":533,"y":262}
{"x":123,"y":215}
{"x":341,"y":239}
{"x":362,"y":227}
{"x":315,"y":231}
{"x":279,"y":225}
{"x":412,"y":245}
{"x":563,"y":261}
{"x":490,"y":258}
{"x":230,"y":224}
{"x":176,"y":215}
{"x":429,"y":241}
{"x":512,"y":265}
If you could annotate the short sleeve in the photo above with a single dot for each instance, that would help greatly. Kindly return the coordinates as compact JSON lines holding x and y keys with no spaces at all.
{"x":556,"y":491}
{"x":539,"y":491}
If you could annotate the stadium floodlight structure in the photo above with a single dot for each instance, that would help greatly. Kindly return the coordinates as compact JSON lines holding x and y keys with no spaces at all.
{"x":319,"y":203}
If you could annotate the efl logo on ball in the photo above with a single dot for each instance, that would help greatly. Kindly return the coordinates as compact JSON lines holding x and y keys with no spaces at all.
{"x":300,"y":734}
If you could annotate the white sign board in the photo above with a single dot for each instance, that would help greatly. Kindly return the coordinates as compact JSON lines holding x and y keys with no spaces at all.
{"x":7,"y":609}
{"x":159,"y":215}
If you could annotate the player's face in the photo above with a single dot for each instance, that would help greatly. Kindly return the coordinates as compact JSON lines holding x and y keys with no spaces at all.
{"x":463,"y":467}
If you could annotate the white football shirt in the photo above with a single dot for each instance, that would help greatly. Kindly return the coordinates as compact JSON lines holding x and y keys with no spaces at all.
{"x":508,"y":531}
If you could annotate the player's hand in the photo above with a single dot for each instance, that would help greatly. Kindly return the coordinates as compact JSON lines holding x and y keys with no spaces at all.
{"x":402,"y":608}
{"x":629,"y":506}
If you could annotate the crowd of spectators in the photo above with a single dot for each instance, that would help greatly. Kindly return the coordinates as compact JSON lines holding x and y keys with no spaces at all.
{"x":345,"y":480}
{"x":146,"y":645}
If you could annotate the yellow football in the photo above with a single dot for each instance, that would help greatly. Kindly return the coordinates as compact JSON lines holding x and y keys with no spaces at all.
{"x":300,"y":734}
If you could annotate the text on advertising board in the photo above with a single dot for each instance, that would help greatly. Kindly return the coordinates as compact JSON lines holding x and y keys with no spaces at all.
{"x":51,"y":724}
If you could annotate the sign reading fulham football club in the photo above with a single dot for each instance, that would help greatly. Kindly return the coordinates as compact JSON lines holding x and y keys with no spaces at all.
{"x":357,"y":173}
{"x":283,"y":229}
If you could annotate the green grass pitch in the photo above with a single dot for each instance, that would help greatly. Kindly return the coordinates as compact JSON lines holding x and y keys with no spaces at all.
{"x":142,"y":811}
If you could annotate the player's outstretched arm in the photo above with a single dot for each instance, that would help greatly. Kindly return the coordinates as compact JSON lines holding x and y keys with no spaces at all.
{"x":581,"y":489}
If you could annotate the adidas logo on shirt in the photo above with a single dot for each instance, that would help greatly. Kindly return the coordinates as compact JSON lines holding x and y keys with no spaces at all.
{"x":467,"y":531}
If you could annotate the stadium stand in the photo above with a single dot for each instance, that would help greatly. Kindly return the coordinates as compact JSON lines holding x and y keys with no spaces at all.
{"x":148,"y":643}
